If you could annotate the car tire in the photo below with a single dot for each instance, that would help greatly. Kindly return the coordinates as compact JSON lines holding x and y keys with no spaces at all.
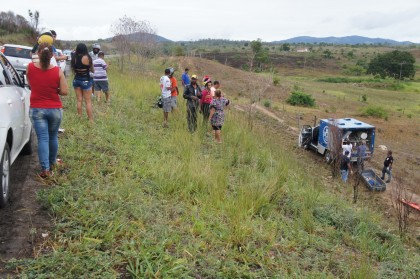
{"x":27,"y":149}
{"x":5,"y":176}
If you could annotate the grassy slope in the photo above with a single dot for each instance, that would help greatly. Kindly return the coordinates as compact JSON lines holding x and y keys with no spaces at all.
{"x":150,"y":202}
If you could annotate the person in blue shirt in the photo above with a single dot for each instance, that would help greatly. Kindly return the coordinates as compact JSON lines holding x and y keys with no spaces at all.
{"x":185,"y":78}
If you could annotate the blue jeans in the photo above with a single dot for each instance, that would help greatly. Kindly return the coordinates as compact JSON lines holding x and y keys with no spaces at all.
{"x":388,"y":171}
{"x":344,"y":175}
{"x":46,"y":123}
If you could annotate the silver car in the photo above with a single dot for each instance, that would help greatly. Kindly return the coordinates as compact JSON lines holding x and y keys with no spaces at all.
{"x":18,"y":55}
{"x":15,"y":125}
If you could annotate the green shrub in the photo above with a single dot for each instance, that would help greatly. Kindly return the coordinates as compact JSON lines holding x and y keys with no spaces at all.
{"x":276,"y":81}
{"x":300,"y":98}
{"x":375,"y":111}
{"x":364,"y":98}
{"x":267,"y":103}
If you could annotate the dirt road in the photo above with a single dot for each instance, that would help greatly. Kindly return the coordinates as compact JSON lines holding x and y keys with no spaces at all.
{"x":24,"y":221}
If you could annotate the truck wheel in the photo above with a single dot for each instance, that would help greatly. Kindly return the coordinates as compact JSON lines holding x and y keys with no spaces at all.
{"x":5,"y":176}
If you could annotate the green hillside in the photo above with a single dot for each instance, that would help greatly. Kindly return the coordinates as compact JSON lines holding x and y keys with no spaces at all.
{"x":135,"y":200}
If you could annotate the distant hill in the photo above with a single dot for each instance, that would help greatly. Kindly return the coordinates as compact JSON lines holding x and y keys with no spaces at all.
{"x":138,"y":36}
{"x":348,"y":40}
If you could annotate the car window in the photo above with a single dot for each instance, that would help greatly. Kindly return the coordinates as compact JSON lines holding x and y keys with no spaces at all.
{"x":8,"y":71}
{"x":4,"y":80}
{"x":17,"y":52}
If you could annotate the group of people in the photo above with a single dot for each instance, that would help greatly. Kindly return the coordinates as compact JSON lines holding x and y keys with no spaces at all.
{"x":207,"y":100}
{"x":345,"y":163}
{"x":48,"y":83}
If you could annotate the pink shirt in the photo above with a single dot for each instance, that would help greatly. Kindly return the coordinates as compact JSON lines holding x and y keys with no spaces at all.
{"x":206,"y":97}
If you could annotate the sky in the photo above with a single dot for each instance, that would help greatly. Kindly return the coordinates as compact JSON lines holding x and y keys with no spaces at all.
{"x":269,"y":20}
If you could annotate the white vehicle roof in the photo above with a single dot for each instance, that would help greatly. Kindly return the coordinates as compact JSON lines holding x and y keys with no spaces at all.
{"x":21,"y":46}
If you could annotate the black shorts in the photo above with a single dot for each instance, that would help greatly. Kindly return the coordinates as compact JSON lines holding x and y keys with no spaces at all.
{"x":216,"y":128}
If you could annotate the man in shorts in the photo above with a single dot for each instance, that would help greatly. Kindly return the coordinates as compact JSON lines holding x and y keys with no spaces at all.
{"x":174,"y":90}
{"x":166,"y":88}
{"x":100,"y":77}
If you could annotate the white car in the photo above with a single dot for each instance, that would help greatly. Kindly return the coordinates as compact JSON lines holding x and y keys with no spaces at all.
{"x":15,"y":125}
{"x":18,"y":55}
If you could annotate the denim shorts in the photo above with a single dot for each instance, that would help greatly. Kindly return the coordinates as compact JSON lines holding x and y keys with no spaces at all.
{"x":82,"y":83}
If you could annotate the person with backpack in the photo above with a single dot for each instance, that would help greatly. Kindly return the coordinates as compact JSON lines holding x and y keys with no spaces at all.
{"x":192,"y":94}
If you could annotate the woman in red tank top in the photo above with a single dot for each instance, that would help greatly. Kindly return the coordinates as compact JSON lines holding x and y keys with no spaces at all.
{"x":47,"y":82}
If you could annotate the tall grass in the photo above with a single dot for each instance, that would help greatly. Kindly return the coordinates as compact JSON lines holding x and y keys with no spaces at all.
{"x":137,"y":200}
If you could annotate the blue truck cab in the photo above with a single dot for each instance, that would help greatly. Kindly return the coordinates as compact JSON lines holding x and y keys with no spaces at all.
{"x":322,"y":137}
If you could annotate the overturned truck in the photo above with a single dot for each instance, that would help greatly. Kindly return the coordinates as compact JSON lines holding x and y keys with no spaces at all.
{"x":327,"y":137}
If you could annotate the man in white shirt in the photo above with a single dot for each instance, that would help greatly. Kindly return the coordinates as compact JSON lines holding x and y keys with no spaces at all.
{"x":166,"y":88}
{"x":347,"y":146}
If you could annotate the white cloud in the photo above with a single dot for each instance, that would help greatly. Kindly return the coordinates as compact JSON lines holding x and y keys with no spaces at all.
{"x":234,"y":19}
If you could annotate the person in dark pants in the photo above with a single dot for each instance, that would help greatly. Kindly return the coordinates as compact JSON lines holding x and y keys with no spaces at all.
{"x":361,"y":154}
{"x":345,"y":166}
{"x":192,"y":94}
{"x":205,"y":101}
{"x":389,"y":160}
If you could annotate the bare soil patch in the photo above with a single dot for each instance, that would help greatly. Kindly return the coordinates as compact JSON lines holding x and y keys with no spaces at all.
{"x":24,"y":221}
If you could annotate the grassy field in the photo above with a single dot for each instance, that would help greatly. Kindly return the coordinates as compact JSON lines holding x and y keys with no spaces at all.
{"x":134,"y":200}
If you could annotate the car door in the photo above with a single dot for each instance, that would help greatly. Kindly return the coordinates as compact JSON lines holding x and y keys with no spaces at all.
{"x":14,"y":105}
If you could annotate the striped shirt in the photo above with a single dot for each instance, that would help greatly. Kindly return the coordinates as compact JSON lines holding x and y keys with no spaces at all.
{"x":100,"y":69}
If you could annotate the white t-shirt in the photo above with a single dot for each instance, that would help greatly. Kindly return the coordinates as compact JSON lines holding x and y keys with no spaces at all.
{"x":212,"y":91}
{"x":347,"y":147}
{"x":165,"y":83}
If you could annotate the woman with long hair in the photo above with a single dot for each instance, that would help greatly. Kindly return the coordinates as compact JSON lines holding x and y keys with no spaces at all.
{"x":82,"y":65}
{"x":47,"y":83}
{"x":205,"y":100}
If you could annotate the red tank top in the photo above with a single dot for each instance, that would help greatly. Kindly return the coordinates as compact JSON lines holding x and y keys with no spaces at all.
{"x":44,"y":87}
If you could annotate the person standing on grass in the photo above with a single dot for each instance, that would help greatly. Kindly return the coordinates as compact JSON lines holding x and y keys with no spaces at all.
{"x":100,"y":77}
{"x":192,"y":94}
{"x":216,"y":85}
{"x":94,"y":54}
{"x":217,"y":115}
{"x":166,"y":88}
{"x":345,"y":166}
{"x":205,"y":101}
{"x":185,"y":78}
{"x":389,"y":160}
{"x":174,"y":90}
{"x":82,"y":66}
{"x":47,"y":83}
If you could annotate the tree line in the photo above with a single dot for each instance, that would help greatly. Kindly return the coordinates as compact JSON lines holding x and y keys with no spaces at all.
{"x":11,"y":23}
